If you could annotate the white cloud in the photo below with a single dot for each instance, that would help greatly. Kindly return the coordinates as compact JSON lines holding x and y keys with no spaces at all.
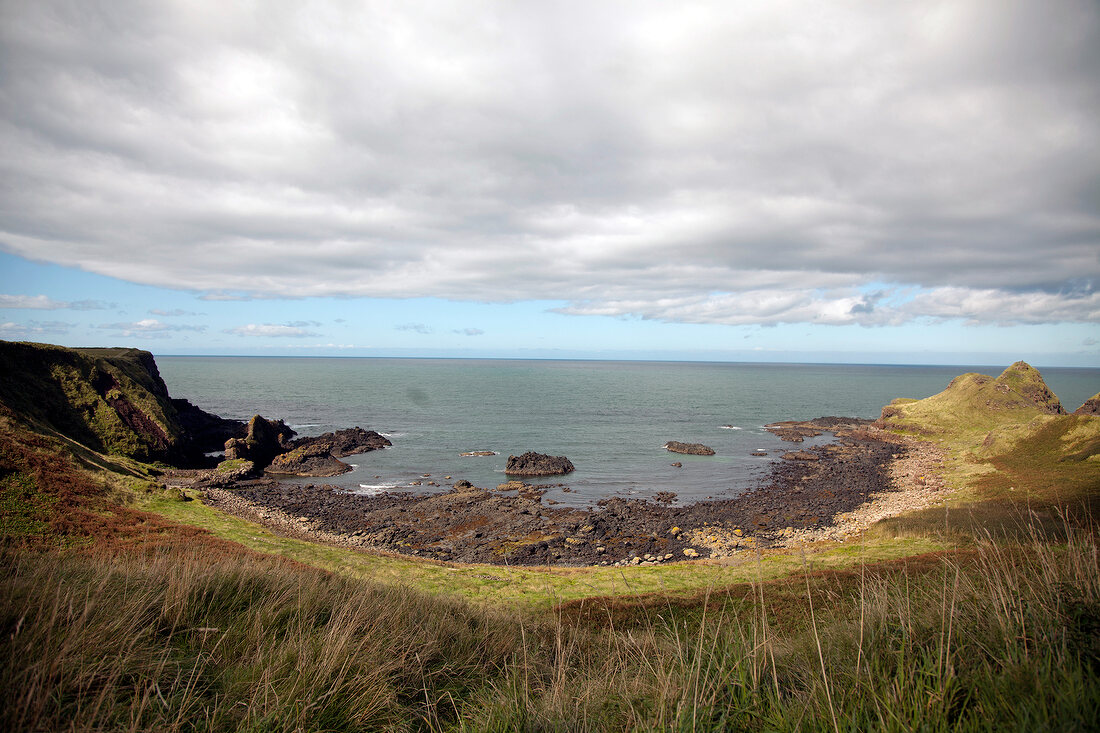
{"x":718,"y":162}
{"x":149,"y":328}
{"x":42,"y":302}
{"x":32,"y":329}
{"x":421,"y":328}
{"x":469,"y":331}
{"x":270,"y":330}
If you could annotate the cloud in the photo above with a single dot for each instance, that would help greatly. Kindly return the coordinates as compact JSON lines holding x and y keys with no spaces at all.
{"x":840,"y":307}
{"x":172,"y":313}
{"x":149,"y":328}
{"x":12,"y":330}
{"x":42,"y":302}
{"x":271,"y":330}
{"x":469,"y":331}
{"x":749,"y":163}
{"x":420,"y":328}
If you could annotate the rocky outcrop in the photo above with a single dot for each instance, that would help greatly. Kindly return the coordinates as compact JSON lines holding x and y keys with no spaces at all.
{"x":691,"y":449}
{"x":320,"y":455}
{"x":538,"y":464}
{"x":1091,"y":406}
{"x":792,"y":432}
{"x":348,"y":442}
{"x":207,"y":431}
{"x":311,"y":459}
{"x":265,"y":440}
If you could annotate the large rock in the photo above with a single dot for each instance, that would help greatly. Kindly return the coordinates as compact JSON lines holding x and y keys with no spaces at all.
{"x":311,"y":459}
{"x":538,"y":464}
{"x":349,"y":442}
{"x":691,"y":449}
{"x":265,"y":440}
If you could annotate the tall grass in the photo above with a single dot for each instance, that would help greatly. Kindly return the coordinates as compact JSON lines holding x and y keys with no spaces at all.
{"x":1005,"y":636}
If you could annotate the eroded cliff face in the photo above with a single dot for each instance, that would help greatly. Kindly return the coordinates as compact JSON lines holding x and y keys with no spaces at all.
{"x":110,"y":400}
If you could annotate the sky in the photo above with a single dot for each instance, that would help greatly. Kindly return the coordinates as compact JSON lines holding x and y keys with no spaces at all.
{"x":852,"y":181}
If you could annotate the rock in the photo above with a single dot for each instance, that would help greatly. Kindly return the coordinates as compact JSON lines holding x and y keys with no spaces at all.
{"x":538,"y":464}
{"x":800,"y":455}
{"x":691,"y":552}
{"x":791,"y":431}
{"x":1091,"y":406}
{"x":676,"y":465}
{"x":463,"y":484}
{"x":265,"y":440}
{"x":478,"y":453}
{"x":759,"y":453}
{"x":348,"y":442}
{"x":693,"y":449}
{"x":311,"y":459}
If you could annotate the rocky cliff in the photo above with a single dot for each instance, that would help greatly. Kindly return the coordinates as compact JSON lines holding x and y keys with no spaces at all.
{"x":110,"y":400}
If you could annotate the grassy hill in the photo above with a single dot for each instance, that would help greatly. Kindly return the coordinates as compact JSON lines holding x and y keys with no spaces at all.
{"x":125,"y":606}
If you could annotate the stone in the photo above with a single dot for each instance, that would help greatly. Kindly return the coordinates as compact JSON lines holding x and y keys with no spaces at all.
{"x":265,"y":440}
{"x":693,"y":449}
{"x":538,"y":464}
{"x":311,"y":459}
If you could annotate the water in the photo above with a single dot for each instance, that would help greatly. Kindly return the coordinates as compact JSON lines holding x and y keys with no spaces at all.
{"x":609,"y":418}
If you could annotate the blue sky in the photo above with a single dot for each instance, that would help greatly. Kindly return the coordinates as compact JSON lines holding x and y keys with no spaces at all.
{"x":788,"y":181}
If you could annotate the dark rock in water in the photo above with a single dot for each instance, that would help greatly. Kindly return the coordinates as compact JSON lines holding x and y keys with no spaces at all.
{"x":349,"y":442}
{"x":1091,"y":406}
{"x":692,"y":449}
{"x":312,"y":459}
{"x":759,"y":453}
{"x":265,"y":440}
{"x":463,"y":484}
{"x":676,"y":465}
{"x":538,"y":464}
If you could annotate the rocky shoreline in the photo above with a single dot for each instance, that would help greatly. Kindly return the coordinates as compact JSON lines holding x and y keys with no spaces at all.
{"x":826,"y":492}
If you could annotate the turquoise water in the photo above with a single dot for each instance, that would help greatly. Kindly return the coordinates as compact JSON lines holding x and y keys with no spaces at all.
{"x":609,"y":418}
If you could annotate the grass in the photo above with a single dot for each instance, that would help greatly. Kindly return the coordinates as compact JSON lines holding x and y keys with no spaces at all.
{"x":998,"y":637}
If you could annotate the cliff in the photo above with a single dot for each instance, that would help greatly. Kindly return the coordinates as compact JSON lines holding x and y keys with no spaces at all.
{"x":110,"y":400}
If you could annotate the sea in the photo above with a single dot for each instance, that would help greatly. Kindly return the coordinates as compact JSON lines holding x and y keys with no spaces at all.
{"x":610,"y":418}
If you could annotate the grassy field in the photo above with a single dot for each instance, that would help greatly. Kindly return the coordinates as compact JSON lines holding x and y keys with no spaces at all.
{"x":991,"y":638}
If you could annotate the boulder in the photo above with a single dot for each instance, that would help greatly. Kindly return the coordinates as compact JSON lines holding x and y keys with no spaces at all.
{"x":538,"y":464}
{"x":348,"y":442}
{"x":312,"y":459}
{"x":265,"y":440}
{"x":693,"y":449}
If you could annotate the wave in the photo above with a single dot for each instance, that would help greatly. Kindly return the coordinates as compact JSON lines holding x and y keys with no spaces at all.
{"x":730,"y":427}
{"x":376,"y":489}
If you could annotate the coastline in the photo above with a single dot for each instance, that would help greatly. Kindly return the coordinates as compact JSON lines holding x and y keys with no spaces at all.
{"x":832,"y":493}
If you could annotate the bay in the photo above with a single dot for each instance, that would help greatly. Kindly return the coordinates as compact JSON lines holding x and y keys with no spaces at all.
{"x":611,"y":418}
